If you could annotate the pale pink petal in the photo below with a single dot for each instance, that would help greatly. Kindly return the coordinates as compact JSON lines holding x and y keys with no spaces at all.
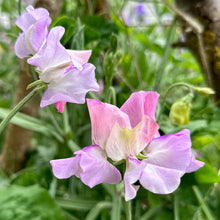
{"x":35,"y":25}
{"x":170,"y":151}
{"x":79,"y":57}
{"x":160,"y":180}
{"x":139,"y":104}
{"x":132,"y":175}
{"x":37,"y":13}
{"x":65,"y":168}
{"x":153,"y":178}
{"x":31,"y":16}
{"x":90,"y":165}
{"x":38,"y":33}
{"x":123,"y":143}
{"x":60,"y":106}
{"x":103,"y":116}
{"x":194,"y":164}
{"x":25,"y":21}
{"x":52,"y":54}
{"x":95,"y":167}
{"x":21,"y":50}
{"x":72,"y":87}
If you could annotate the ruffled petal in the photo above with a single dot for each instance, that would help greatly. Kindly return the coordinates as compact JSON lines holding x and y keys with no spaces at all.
{"x":25,"y":21}
{"x":38,"y":33}
{"x":160,"y":180}
{"x":132,"y":175}
{"x":103,"y":116}
{"x":51,"y":55}
{"x":21,"y":50}
{"x":72,"y":87}
{"x":79,"y":57}
{"x":95,"y":167}
{"x":65,"y":168}
{"x":139,"y":104}
{"x":30,"y":17}
{"x":37,"y":13}
{"x":90,"y":165}
{"x":170,"y":151}
{"x":123,"y":143}
{"x":194,"y":164}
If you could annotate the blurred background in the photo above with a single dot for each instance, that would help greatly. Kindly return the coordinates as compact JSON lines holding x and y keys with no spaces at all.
{"x":136,"y":45}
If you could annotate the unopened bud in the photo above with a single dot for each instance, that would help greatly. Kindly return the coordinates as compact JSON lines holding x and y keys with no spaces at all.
{"x":204,"y":90}
{"x":180,"y":110}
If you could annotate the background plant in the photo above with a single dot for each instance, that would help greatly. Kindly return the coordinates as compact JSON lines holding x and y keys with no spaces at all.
{"x":127,"y":59}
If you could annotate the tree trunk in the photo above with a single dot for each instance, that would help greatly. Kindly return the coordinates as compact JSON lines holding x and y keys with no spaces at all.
{"x":101,"y":8}
{"x":207,"y":12}
{"x":18,"y":140}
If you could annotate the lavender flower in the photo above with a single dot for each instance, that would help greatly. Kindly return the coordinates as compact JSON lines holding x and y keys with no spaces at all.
{"x":67,"y":74}
{"x":35,"y":26}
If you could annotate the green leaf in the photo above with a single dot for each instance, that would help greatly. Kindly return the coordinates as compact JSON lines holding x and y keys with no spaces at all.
{"x":76,"y":204}
{"x":103,"y":26}
{"x":78,"y":38}
{"x":207,"y":175}
{"x":90,"y":34}
{"x":25,"y":203}
{"x":69,"y":25}
{"x":95,"y":211}
{"x":114,"y":43}
{"x":201,"y":141}
{"x":30,"y":123}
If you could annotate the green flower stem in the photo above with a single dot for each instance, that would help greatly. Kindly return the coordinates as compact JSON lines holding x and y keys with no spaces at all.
{"x":128,"y":210}
{"x":111,"y":95}
{"x":35,"y":83}
{"x":116,"y":205}
{"x":176,"y":209}
{"x":167,"y":92}
{"x":204,"y":207}
{"x":165,"y":57}
{"x":6,"y":120}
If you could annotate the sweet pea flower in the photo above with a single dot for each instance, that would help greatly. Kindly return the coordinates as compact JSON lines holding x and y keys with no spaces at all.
{"x":67,"y":74}
{"x":168,"y":158}
{"x":130,"y":134}
{"x":35,"y":26}
{"x":90,"y":164}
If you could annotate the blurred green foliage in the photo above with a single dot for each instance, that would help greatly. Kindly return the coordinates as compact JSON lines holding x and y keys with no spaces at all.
{"x":127,"y":59}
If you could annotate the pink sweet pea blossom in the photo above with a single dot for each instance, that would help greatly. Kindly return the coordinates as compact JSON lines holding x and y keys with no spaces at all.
{"x":168,"y":158}
{"x":35,"y":26}
{"x":67,"y":74}
{"x":128,"y":134}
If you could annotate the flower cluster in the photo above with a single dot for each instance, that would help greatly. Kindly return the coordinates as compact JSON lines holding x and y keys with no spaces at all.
{"x":67,"y":73}
{"x":130,"y":135}
{"x":127,"y":135}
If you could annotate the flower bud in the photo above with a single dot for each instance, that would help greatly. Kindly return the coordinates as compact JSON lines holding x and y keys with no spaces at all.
{"x":180,"y":110}
{"x":204,"y":90}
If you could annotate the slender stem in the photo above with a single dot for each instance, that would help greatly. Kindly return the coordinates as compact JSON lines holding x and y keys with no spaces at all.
{"x":19,"y":7}
{"x":205,"y":208}
{"x":6,"y":120}
{"x":189,"y":19}
{"x":204,"y":61}
{"x":128,"y":210}
{"x":111,"y":96}
{"x":167,"y":92}
{"x":164,"y":59}
{"x":132,"y":50}
{"x":176,"y":208}
{"x":35,"y":83}
{"x":116,"y":205}
{"x":151,"y":212}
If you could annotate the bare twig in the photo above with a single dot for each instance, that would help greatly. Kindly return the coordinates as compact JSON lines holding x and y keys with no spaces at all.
{"x":198,"y":29}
